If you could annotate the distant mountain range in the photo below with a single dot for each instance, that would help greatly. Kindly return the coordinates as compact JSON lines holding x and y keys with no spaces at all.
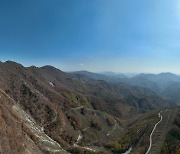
{"x":164,"y":84}
{"x":107,"y":76}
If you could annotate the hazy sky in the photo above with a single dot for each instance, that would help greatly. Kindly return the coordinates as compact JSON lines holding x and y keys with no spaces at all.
{"x":94,"y":35}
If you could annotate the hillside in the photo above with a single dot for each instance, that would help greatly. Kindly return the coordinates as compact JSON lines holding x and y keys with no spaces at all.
{"x":61,"y":111}
{"x":172,"y":142}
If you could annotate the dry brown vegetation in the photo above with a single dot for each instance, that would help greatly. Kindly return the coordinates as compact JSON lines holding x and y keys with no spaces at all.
{"x":64,"y":104}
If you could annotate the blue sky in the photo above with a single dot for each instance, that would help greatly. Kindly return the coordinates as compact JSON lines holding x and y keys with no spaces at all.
{"x":94,"y":35}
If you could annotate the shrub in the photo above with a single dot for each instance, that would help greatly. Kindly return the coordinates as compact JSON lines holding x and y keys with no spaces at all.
{"x":96,"y":124}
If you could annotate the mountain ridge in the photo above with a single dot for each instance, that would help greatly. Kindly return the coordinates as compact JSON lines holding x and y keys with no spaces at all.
{"x":64,"y":105}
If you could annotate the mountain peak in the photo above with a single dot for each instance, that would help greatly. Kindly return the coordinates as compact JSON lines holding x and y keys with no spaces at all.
{"x":167,"y":74}
{"x":9,"y":62}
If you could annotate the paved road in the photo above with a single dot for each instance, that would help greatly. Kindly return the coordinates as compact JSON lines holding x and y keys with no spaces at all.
{"x":160,"y":130}
{"x":150,"y":143}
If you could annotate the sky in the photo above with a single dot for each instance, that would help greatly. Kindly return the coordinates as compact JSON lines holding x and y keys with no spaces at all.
{"x":94,"y":35}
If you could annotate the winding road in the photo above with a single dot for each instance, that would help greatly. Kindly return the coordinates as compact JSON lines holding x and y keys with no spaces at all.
{"x":150,"y":144}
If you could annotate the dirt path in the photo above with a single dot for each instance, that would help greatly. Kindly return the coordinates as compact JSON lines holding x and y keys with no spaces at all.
{"x":109,"y":133}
